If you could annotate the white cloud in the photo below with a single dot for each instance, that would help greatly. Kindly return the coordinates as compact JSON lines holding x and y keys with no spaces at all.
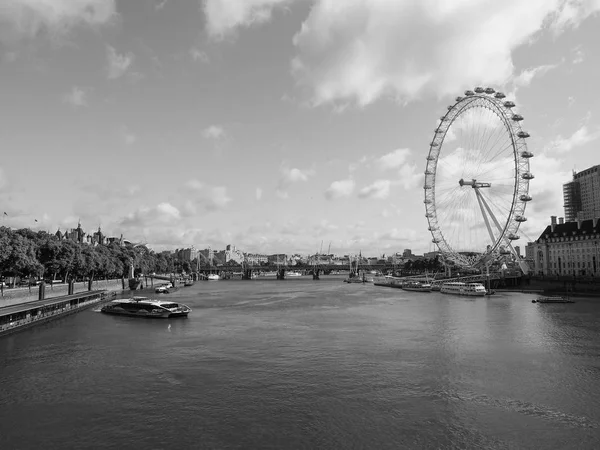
{"x":199,"y":55}
{"x":77,"y":97}
{"x":526,"y":76}
{"x":209,"y":198}
{"x":363,"y":161}
{"x":128,"y":137}
{"x":118,"y":64}
{"x":163,"y":213}
{"x":395,"y":159}
{"x":213,"y":132}
{"x":224,"y":16}
{"x":160,"y":4}
{"x":340,"y":188}
{"x":259,"y":193}
{"x":289,"y":176}
{"x":26,"y":18}
{"x":359,"y":50}
{"x":410,"y":176}
{"x":578,"y":55}
{"x":378,"y":190}
{"x":579,"y":138}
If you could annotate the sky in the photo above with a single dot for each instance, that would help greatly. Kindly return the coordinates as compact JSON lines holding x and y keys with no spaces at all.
{"x":290,"y":126}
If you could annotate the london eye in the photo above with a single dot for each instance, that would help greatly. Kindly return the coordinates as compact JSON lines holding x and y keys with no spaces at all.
{"x":477,"y":179}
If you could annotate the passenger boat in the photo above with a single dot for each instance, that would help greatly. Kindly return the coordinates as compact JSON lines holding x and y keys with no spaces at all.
{"x":388,"y":281}
{"x":553,"y":299}
{"x":146,"y":307}
{"x":416,"y":286}
{"x":213,"y":277}
{"x":293,"y":273}
{"x":163,"y":288}
{"x":460,"y":288}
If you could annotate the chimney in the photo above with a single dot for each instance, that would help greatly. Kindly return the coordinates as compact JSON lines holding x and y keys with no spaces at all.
{"x":561,"y":220}
{"x":552,"y":223}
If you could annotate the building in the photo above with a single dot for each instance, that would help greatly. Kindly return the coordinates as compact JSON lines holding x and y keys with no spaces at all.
{"x":233,"y":254}
{"x":186,"y":254}
{"x":567,"y":248}
{"x":256,"y":258}
{"x":582,"y":195}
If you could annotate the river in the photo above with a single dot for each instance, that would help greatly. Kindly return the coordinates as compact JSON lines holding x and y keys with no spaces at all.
{"x":305,"y":364}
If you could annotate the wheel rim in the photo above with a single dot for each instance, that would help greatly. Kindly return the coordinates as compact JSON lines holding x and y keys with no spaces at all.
{"x":479,"y":141}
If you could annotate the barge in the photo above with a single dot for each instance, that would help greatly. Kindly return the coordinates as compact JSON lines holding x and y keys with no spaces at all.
{"x":18,"y":317}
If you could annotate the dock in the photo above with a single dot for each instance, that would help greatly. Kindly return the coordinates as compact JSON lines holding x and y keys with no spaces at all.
{"x":18,"y":317}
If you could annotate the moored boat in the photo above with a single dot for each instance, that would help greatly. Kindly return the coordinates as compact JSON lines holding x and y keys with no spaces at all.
{"x":293,"y":273}
{"x":416,"y":286}
{"x":146,"y":307}
{"x":553,"y":299}
{"x":460,"y":288}
{"x":213,"y":277}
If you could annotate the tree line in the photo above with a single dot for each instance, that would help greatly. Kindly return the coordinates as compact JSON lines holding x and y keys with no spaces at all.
{"x":29,"y":254}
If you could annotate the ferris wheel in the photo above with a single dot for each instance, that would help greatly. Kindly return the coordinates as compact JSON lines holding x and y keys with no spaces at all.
{"x":477,"y":179}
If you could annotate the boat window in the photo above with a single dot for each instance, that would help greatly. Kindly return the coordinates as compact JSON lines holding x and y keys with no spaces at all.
{"x":169,"y":305}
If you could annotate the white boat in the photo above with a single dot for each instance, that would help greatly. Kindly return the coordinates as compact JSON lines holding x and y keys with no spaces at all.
{"x":213,"y":277}
{"x":163,"y":288}
{"x":460,"y":288}
{"x":293,"y":273}
{"x":146,"y":307}
{"x":552,"y":299}
{"x":416,"y":286}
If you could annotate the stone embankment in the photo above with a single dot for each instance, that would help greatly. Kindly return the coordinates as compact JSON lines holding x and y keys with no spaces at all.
{"x":16,"y":296}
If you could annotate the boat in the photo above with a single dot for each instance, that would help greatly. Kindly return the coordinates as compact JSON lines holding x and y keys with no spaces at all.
{"x":163,"y":288}
{"x":553,"y":299}
{"x":416,"y":286}
{"x":213,"y":277}
{"x":146,"y":307}
{"x":293,"y":273}
{"x":355,"y":279}
{"x":460,"y":288}
{"x":388,"y":281}
{"x":188,"y":282}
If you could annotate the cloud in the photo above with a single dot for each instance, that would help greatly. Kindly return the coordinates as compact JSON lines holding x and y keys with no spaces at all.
{"x":163,"y":213}
{"x":395,"y":159}
{"x":26,"y":18}
{"x":128,"y":137}
{"x":224,"y":16}
{"x":77,"y":97}
{"x":579,"y":138}
{"x":160,"y":4}
{"x":340,"y":188}
{"x":199,"y":55}
{"x":118,"y":64}
{"x":289,"y":176}
{"x":378,"y":190}
{"x":525,"y":77}
{"x":259,"y":193}
{"x":359,"y":51}
{"x":213,"y":132}
{"x":208,"y":198}
{"x":578,"y":56}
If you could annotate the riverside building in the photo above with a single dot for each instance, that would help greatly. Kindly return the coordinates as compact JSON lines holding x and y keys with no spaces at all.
{"x":567,"y":248}
{"x":582,"y":195}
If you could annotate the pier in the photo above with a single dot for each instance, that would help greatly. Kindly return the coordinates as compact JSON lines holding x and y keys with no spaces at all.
{"x":17,"y":317}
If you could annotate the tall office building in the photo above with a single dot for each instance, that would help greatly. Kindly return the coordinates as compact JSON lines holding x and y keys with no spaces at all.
{"x":582,"y":195}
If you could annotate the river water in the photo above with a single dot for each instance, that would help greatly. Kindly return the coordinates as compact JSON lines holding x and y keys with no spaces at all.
{"x":305,"y":364}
